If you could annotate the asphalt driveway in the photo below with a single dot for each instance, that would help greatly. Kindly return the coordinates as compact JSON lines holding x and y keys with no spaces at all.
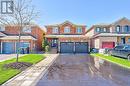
{"x":83,"y":70}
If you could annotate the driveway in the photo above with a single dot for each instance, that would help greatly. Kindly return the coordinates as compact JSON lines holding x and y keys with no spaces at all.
{"x":4,"y":57}
{"x":83,"y":70}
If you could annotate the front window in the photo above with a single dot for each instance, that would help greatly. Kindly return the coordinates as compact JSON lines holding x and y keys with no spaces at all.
{"x":129,"y":40}
{"x":27,"y":29}
{"x":2,"y":28}
{"x":79,"y":30}
{"x":98,"y":29}
{"x":118,"y":28}
{"x":67,"y":29}
{"x":126,"y":28}
{"x":55,"y":30}
{"x":105,"y":29}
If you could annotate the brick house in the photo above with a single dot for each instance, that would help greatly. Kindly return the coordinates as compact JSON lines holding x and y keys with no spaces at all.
{"x":31,"y":37}
{"x":110,"y":35}
{"x":67,"y":37}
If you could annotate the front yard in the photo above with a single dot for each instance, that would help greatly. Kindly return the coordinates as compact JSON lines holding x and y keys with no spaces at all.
{"x":120,"y":61}
{"x":6,"y":74}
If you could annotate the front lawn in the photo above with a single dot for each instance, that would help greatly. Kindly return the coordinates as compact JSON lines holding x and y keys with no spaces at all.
{"x":120,"y":61}
{"x":6,"y":74}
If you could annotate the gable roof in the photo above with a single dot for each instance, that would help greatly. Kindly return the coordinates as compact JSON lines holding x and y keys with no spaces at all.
{"x":122,"y":19}
{"x":66,"y":22}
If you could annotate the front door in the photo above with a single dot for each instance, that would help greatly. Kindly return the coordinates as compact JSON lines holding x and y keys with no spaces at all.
{"x":54,"y":43}
{"x":123,"y":40}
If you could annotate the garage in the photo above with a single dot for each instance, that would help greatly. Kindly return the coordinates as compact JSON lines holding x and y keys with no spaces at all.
{"x":8,"y":48}
{"x":73,"y":47}
{"x":66,"y":47}
{"x":108,"y":44}
{"x":23,"y":47}
{"x":81,"y":47}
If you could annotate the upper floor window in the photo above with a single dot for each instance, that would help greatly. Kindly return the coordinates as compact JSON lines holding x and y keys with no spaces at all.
{"x":105,"y":29}
{"x":98,"y":29}
{"x":118,"y":28}
{"x":126,"y":28}
{"x":27,"y":29}
{"x":2,"y":28}
{"x":79,"y":29}
{"x":55,"y":30}
{"x":67,"y":29}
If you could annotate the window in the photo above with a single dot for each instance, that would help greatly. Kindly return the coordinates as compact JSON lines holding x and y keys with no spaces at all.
{"x":27,"y":29}
{"x":55,"y":30}
{"x":105,"y":29}
{"x":129,"y":40}
{"x":126,"y":28}
{"x":118,"y":28}
{"x":2,"y":28}
{"x":79,"y":30}
{"x":67,"y":29}
{"x":98,"y":29}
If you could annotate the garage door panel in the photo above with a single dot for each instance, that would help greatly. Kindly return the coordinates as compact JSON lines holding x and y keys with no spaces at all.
{"x":81,"y":47}
{"x":8,"y":48}
{"x":67,"y":47}
{"x":108,"y":44}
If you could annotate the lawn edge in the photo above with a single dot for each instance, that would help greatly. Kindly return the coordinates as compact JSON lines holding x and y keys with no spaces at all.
{"x":111,"y":61}
{"x":16,"y":75}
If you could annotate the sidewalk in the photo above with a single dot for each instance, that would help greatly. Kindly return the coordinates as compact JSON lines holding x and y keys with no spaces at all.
{"x":4,"y":57}
{"x":32,"y":75}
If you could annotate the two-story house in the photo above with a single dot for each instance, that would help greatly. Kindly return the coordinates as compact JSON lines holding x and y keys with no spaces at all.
{"x":31,"y":38}
{"x":109,"y":35}
{"x":68,"y":37}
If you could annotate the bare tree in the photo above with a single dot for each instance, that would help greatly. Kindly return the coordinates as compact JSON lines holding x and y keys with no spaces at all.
{"x":24,"y":14}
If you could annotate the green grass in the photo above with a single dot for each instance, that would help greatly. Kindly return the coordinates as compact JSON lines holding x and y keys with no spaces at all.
{"x":6,"y":74}
{"x":120,"y":61}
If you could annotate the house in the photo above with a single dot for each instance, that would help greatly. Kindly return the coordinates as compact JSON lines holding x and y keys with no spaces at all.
{"x":31,"y":37}
{"x":67,"y":37}
{"x":110,"y":35}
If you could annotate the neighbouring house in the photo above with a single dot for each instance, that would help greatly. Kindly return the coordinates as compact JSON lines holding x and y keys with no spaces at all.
{"x":109,"y":35}
{"x":31,"y":39}
{"x":68,"y":37}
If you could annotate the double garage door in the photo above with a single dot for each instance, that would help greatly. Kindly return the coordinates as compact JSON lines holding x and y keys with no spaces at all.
{"x":73,"y":47}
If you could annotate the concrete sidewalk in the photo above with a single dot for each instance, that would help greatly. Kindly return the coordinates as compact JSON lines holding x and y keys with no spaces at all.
{"x":4,"y":57}
{"x":32,"y":75}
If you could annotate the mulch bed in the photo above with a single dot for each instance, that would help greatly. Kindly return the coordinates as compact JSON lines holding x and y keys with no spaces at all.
{"x":18,"y":65}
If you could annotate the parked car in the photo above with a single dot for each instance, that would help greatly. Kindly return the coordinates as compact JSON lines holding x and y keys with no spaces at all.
{"x":121,"y":51}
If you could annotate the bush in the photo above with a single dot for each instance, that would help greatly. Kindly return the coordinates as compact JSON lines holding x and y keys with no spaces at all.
{"x":47,"y":48}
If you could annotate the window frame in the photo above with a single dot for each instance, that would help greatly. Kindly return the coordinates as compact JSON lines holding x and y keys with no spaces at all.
{"x":55,"y":30}
{"x":98,"y":29}
{"x":67,"y":29}
{"x":79,"y":30}
{"x":27,"y":29}
{"x":118,"y":28}
{"x":2,"y":28}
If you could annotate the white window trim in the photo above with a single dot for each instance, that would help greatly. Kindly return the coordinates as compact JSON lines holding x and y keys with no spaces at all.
{"x":27,"y":29}
{"x":2,"y":28}
{"x":77,"y":30}
{"x":55,"y":30}
{"x":67,"y":29}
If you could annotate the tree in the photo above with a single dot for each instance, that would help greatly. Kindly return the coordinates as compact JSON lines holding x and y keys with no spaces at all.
{"x":44,"y":43}
{"x":24,"y":14}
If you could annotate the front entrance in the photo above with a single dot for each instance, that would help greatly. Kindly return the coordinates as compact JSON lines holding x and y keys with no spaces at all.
{"x":123,"y":40}
{"x":54,"y":42}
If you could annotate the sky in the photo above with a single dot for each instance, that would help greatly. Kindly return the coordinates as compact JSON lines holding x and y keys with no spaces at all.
{"x":86,"y":12}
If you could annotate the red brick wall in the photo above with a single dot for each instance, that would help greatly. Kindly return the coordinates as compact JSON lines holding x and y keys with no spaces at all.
{"x":61,"y":29}
{"x":36,"y":32}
